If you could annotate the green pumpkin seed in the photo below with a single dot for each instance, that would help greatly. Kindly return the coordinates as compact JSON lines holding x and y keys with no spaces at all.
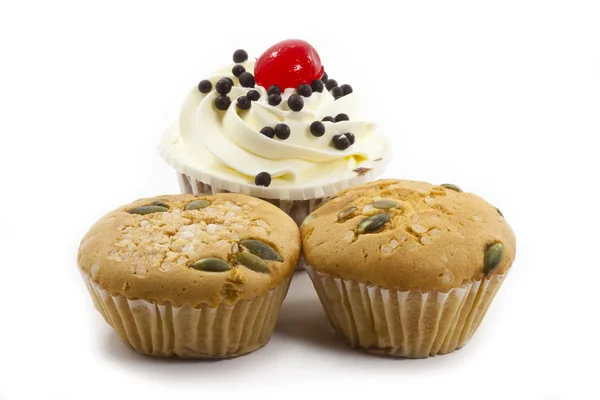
{"x":499,"y":212}
{"x":346,"y":213}
{"x":211,"y":265}
{"x":261,"y":249}
{"x":450,"y":186}
{"x":197,"y":204}
{"x":493,"y":257}
{"x":253,"y":262}
{"x":373,"y":223}
{"x":384,"y":204}
{"x":143,"y":210}
{"x":160,"y":203}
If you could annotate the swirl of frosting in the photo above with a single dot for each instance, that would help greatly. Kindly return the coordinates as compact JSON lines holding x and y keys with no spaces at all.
{"x":229,"y":143}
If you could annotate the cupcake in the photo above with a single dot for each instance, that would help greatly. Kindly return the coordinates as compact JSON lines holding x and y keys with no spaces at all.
{"x":405,"y":268}
{"x":279,"y":129}
{"x":188,"y":276}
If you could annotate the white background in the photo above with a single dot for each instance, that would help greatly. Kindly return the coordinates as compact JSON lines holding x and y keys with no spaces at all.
{"x":501,"y":98}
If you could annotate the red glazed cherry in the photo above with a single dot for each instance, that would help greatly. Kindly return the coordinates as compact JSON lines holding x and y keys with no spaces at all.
{"x":288,"y":64}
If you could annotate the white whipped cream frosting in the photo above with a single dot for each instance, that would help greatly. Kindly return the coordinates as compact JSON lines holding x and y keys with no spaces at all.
{"x":227,"y":150}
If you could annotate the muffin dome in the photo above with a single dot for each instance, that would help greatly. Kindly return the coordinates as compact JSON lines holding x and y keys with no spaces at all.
{"x":407,"y":235}
{"x":188,"y":250}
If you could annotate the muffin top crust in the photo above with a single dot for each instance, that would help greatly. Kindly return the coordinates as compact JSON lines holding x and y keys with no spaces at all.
{"x":408,"y":235}
{"x":187,"y":250}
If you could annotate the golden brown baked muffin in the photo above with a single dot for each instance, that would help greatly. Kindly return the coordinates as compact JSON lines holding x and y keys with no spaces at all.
{"x":191,"y":276}
{"x":407,"y":268}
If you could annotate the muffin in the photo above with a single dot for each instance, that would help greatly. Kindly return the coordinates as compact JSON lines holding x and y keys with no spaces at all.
{"x":279,"y":129}
{"x":406,"y":268}
{"x":189,"y":276}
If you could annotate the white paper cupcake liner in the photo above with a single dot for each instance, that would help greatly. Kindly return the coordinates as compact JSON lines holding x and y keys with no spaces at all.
{"x":404,"y":324}
{"x":191,"y":332}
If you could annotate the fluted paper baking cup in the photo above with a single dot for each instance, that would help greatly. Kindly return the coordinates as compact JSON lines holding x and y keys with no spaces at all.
{"x":404,"y":323}
{"x":162,"y":330}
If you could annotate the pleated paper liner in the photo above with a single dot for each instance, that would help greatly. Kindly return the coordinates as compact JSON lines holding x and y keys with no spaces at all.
{"x":409,"y":324}
{"x":191,"y":332}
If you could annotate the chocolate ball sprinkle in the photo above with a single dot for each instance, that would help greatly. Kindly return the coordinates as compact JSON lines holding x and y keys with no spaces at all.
{"x":253,"y":95}
{"x":346,"y":88}
{"x":247,"y":79}
{"x":222,"y":102}
{"x":341,"y":142}
{"x":295,"y":102}
{"x":228,"y":79}
{"x":305,"y":90}
{"x":342,"y":117}
{"x":205,"y":86}
{"x":350,"y":137}
{"x":330,"y":84}
{"x":328,"y":119}
{"x":268,"y":132}
{"x":274,"y":89}
{"x":223,"y":86}
{"x":274,"y":99}
{"x":337,"y":92}
{"x":325,"y":77}
{"x":237,"y":70}
{"x":317,"y":86}
{"x":282,"y":131}
{"x":262,"y":179}
{"x":317,"y":128}
{"x":243,"y":102}
{"x":239,"y":56}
